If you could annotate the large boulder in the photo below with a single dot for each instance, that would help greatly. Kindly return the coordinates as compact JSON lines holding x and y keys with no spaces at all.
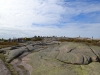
{"x":78,"y":54}
{"x":74,"y":58}
{"x":12,"y":54}
{"x":30,"y":47}
{"x":8,"y":48}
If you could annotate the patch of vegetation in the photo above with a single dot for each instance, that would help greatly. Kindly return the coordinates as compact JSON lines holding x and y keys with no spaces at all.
{"x":86,"y":41}
{"x":8,"y":65}
{"x":7,"y":44}
{"x":28,"y":39}
{"x":37,"y":39}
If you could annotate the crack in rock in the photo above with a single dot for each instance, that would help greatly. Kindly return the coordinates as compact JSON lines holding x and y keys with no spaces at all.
{"x":71,"y":50}
{"x":95,"y":54}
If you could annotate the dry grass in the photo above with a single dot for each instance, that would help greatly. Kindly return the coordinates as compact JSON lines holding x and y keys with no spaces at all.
{"x":7,"y":44}
{"x":88,"y":42}
{"x":8,"y":65}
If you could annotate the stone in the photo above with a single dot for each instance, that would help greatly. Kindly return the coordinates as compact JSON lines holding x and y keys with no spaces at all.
{"x":12,"y":54}
{"x":66,"y":58}
{"x":8,"y":48}
{"x":96,"y":51}
{"x":74,"y":59}
{"x":86,"y":51}
{"x":30,"y":47}
{"x":3,"y":69}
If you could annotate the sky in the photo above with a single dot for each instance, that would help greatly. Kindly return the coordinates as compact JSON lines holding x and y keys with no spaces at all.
{"x":70,"y":18}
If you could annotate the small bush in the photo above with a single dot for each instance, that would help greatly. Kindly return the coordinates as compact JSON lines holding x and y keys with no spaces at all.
{"x":28,"y":39}
{"x":37,"y":39}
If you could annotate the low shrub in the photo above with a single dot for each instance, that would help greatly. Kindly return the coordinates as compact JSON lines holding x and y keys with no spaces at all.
{"x":8,"y":43}
{"x":37,"y":39}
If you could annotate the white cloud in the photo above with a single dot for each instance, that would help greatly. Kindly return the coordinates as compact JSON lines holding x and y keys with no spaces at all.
{"x":78,"y":7}
{"x":19,"y":18}
{"x":24,"y":13}
{"x":69,"y":30}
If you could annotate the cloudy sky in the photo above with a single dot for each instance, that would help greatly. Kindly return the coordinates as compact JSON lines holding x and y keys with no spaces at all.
{"x":70,"y":18}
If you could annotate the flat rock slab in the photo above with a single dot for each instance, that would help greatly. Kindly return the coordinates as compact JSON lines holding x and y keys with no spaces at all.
{"x":64,"y":59}
{"x":77,"y":53}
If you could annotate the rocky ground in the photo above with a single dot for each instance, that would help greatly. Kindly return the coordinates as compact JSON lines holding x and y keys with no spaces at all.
{"x":50,"y":58}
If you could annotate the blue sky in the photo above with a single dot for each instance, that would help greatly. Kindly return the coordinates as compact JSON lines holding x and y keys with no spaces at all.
{"x":70,"y":18}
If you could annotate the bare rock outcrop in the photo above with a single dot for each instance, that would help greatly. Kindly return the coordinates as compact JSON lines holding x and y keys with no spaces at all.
{"x":81,"y":54}
{"x":54,"y":58}
{"x":3,"y":69}
{"x":12,"y":54}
